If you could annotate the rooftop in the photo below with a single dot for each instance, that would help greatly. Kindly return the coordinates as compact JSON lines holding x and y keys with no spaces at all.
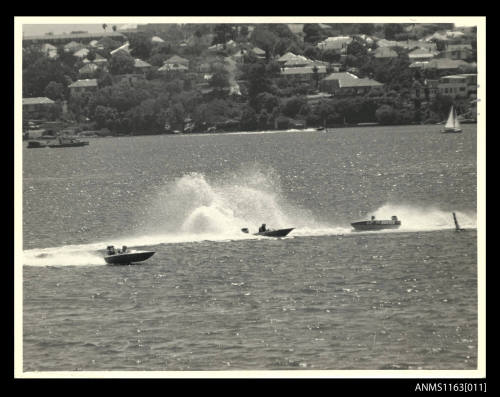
{"x":84,"y":83}
{"x":37,"y":101}
{"x":173,"y":67}
{"x":177,"y":59}
{"x":139,"y":63}
{"x":304,"y":70}
{"x":124,"y":47}
{"x":346,"y":79}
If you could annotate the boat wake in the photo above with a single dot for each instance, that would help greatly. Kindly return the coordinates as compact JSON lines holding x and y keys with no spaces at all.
{"x":192,"y":209}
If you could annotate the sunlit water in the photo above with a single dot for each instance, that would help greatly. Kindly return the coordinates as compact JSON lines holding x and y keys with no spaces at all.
{"x":213,"y":298}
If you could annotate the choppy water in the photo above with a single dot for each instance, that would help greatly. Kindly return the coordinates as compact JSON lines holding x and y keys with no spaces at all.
{"x":213,"y":298}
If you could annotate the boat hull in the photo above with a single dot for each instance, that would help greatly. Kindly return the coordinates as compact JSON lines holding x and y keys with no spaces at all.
{"x":76,"y":144}
{"x":275,"y":233}
{"x":451,"y":130}
{"x":35,"y":145}
{"x":375,"y":225}
{"x":125,"y":259}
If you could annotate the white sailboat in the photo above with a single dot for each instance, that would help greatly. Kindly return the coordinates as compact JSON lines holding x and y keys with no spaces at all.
{"x":452,"y":124}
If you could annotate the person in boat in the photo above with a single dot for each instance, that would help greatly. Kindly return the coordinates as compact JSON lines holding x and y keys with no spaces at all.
{"x":124,"y":249}
{"x":110,"y":250}
{"x":262,"y":228}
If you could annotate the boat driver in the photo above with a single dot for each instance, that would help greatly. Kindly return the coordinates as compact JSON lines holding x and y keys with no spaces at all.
{"x":262,"y":228}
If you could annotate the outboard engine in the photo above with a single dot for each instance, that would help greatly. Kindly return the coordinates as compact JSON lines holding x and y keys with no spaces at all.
{"x":244,"y":230}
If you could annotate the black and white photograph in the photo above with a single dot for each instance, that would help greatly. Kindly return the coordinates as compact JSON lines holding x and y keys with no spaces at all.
{"x":250,"y":197}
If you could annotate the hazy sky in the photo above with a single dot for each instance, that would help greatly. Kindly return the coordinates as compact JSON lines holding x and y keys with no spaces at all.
{"x":32,"y":30}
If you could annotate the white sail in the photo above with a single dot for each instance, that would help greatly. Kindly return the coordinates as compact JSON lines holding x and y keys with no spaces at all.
{"x":451,"y":120}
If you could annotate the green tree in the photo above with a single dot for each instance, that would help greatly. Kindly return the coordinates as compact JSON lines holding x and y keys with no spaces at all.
{"x":313,"y":33}
{"x":264,"y":39}
{"x":141,"y":45}
{"x":366,"y":28}
{"x":385,"y":114}
{"x":223,"y":32}
{"x":105,"y":117}
{"x":391,"y":29}
{"x":258,"y":81}
{"x":293,"y":105}
{"x":54,"y":91}
{"x":121,"y":63}
{"x":248,"y":119}
{"x":91,"y":55}
{"x":219,"y":80}
{"x":38,"y":75}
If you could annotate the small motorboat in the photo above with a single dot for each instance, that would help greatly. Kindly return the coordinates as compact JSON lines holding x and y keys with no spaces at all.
{"x":124,"y":256}
{"x":373,"y":224}
{"x":270,"y":232}
{"x":68,"y":142}
{"x":36,"y":145}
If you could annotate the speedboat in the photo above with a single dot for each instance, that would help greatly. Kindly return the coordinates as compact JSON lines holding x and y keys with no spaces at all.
{"x":271,"y":232}
{"x":124,"y":256}
{"x":373,"y":224}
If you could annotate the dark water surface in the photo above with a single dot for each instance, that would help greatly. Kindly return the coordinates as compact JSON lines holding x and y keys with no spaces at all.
{"x":212,"y":298}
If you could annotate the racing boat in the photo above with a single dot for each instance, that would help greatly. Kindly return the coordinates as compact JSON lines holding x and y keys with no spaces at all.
{"x":270,"y":232}
{"x":373,"y":224}
{"x":125,"y":257}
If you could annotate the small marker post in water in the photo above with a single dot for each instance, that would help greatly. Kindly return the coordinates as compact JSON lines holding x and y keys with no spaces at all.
{"x":457,"y":226}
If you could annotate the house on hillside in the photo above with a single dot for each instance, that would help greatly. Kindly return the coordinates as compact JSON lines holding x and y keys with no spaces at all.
{"x":457,"y":51}
{"x":344,"y":83}
{"x":443,"y":65}
{"x":298,"y":61}
{"x":36,"y":108}
{"x":338,"y":43}
{"x":88,"y":70}
{"x":438,"y":36}
{"x":384,"y":53}
{"x":95,"y":44}
{"x":285,"y":58}
{"x":387,"y":43}
{"x":82,"y":53}
{"x":49,"y":50}
{"x":459,"y":85}
{"x":156,"y":39}
{"x":82,"y":86}
{"x":73,"y":46}
{"x":420,"y":55}
{"x":177,"y":60}
{"x":99,"y":60}
{"x":141,"y":66}
{"x":173,"y":68}
{"x":455,"y":34}
{"x":258,"y":52}
{"x":304,"y":74}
